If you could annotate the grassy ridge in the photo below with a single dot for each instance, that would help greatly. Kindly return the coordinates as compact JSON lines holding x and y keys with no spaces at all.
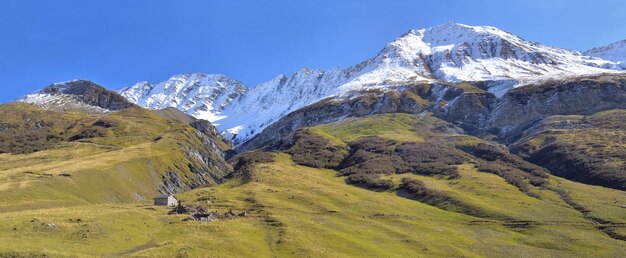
{"x":127,"y":162}
{"x":398,"y":127}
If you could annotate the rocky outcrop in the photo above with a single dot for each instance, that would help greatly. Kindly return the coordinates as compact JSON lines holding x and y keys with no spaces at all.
{"x":205,"y":127}
{"x":466,"y":108}
{"x":78,"y":96}
{"x":176,"y":116}
{"x":91,"y":94}
{"x":519,"y":109}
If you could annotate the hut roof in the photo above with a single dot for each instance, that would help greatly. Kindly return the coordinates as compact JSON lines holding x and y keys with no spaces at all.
{"x":162,"y":196}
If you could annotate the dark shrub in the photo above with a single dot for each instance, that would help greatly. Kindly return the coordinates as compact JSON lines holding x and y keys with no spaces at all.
{"x":255,"y":156}
{"x":243,"y":164}
{"x":358,"y":156}
{"x":596,"y":167}
{"x":374,"y":155}
{"x":425,"y":152}
{"x":432,"y":169}
{"x":28,"y":141}
{"x":313,"y":150}
{"x":374,"y":144}
{"x":485,"y":151}
{"x":415,"y":186}
{"x":371,"y":181}
{"x":512,"y":176}
{"x":417,"y":190}
{"x":489,"y":152}
{"x":538,"y":181}
{"x":383,"y":164}
{"x":90,"y":132}
{"x":567,"y":198}
{"x":106,"y":123}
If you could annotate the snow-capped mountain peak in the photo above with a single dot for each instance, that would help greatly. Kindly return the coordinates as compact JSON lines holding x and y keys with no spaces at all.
{"x":455,"y":33}
{"x":201,"y":95}
{"x":458,"y":52}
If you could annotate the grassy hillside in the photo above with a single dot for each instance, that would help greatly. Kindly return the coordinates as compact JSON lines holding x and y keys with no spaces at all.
{"x":418,"y":157}
{"x":303,"y":211}
{"x":493,"y":205}
{"x":63,"y":158}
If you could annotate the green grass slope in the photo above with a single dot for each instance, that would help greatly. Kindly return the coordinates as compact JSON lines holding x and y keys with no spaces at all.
{"x":493,"y":193}
{"x":299,"y":211}
{"x":64,"y":158}
{"x":489,"y":207}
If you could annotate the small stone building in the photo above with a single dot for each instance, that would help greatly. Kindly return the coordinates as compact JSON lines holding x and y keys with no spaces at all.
{"x":165,"y":200}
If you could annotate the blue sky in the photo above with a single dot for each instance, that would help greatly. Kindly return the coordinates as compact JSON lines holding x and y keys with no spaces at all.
{"x":119,"y":42}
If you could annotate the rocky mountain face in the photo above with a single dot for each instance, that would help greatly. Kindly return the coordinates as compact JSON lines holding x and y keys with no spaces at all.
{"x":495,"y":59}
{"x":78,"y":95}
{"x":583,"y":95}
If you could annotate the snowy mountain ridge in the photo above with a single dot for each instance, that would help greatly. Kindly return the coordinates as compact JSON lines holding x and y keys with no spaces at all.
{"x":201,"y":95}
{"x":450,"y":52}
{"x":615,"y":52}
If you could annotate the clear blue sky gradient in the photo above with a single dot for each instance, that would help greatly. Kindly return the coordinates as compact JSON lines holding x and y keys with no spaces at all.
{"x":119,"y":42}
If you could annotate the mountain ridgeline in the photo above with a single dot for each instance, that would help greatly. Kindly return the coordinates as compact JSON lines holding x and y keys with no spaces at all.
{"x":496,"y":59}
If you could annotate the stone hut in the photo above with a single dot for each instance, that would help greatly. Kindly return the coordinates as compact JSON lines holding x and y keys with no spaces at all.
{"x":165,"y":200}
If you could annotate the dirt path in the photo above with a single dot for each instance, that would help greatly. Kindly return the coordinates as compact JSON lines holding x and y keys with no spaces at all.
{"x":138,"y":248}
